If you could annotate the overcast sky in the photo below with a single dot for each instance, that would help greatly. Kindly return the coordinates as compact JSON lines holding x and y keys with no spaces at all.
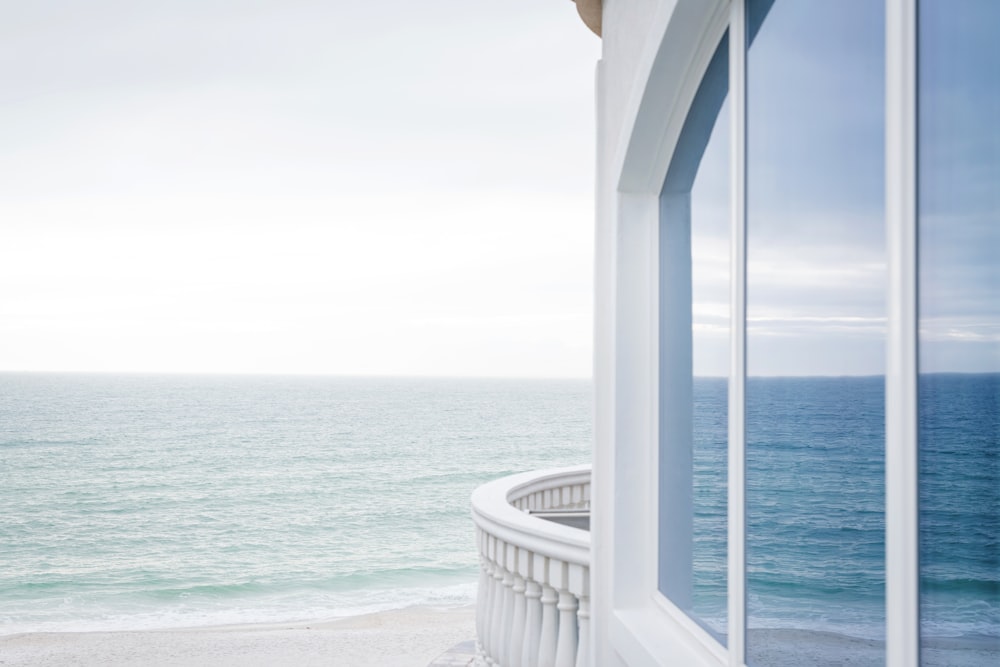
{"x":297,"y":186}
{"x":816,"y":271}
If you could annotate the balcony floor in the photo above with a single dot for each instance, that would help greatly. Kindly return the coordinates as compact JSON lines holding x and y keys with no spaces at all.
{"x":460,"y":655}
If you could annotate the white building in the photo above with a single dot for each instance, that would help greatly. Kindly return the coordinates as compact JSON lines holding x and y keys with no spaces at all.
{"x":759,"y":201}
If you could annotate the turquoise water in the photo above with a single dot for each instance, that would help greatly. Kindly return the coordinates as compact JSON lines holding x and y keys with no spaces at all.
{"x":167,"y":501}
{"x":170,"y":501}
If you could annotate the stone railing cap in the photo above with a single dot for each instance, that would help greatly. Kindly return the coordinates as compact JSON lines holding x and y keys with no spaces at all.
{"x":492,"y":512}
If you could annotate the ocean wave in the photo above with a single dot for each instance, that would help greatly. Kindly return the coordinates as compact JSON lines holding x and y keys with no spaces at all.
{"x":134,"y":613}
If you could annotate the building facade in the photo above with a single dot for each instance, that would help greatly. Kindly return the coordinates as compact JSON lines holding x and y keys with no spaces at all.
{"x":797,"y":350}
{"x":765,"y":170}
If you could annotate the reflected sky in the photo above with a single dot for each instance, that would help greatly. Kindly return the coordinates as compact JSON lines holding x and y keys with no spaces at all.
{"x":816,"y":218}
{"x":959,"y":181}
{"x":710,"y":204}
{"x":816,"y":248}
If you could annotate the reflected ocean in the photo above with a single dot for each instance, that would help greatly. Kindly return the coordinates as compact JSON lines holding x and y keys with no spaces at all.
{"x":815,"y":499}
{"x":142,"y":501}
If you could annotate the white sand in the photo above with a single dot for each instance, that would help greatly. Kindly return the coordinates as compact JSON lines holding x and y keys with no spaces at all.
{"x":403,"y":638}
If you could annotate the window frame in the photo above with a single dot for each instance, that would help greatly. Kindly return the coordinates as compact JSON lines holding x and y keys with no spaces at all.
{"x":644,"y":627}
{"x":902,"y":567}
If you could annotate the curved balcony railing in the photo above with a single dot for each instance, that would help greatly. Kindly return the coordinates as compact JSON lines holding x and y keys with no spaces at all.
{"x":533,"y":608}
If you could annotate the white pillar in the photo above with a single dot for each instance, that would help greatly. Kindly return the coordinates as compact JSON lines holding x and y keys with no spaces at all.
{"x":517,"y":624}
{"x":487,"y":607}
{"x":550,"y":628}
{"x":583,"y":644}
{"x":506,"y":614}
{"x":566,"y":646}
{"x":532,"y":623}
{"x":481,"y":594}
{"x":494,"y":631}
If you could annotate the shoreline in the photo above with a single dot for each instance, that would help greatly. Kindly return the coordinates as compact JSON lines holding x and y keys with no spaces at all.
{"x":413,"y":636}
{"x":819,"y":648}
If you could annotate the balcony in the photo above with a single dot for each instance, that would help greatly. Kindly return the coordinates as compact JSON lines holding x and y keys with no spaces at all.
{"x":533,"y":607}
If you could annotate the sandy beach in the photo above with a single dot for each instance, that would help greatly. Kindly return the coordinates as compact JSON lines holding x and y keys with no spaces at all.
{"x":400,"y":638}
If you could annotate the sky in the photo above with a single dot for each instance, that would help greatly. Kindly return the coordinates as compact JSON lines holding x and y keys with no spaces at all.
{"x":292,"y":186}
{"x":817,"y":263}
{"x":816,"y":266}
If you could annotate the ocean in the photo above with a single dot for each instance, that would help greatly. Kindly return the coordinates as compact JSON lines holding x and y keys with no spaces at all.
{"x":146,"y":501}
{"x":815,"y":506}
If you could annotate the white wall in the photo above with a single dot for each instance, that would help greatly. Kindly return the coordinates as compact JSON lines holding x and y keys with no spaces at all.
{"x":669,"y":43}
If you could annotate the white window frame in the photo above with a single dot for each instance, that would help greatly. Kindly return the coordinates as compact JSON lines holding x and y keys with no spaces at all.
{"x":644,"y":627}
{"x":902,"y":567}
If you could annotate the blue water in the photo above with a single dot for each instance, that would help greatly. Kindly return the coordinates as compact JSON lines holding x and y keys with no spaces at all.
{"x":815,"y":504}
{"x":166,"y":501}
{"x":815,"y":499}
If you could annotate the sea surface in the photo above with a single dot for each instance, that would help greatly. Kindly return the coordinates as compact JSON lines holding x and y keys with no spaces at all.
{"x":144,"y":501}
{"x":815,"y":493}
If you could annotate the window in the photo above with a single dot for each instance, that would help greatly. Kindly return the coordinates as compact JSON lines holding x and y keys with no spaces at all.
{"x":959,"y":329}
{"x":816,"y":274}
{"x":848,"y":534}
{"x":693,"y":357}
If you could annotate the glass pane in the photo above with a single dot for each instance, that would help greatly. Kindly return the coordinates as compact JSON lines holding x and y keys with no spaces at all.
{"x":694,"y":361}
{"x":815,"y":333}
{"x":710,"y":344}
{"x":959,"y":383}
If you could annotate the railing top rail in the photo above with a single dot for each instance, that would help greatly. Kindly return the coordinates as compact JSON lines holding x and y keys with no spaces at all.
{"x":493,"y":513}
{"x":553,"y":478}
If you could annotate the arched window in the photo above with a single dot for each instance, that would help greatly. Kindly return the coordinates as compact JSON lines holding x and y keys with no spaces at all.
{"x":825,"y":461}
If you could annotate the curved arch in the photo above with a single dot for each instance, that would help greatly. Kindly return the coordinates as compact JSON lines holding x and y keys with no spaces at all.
{"x":683,"y":41}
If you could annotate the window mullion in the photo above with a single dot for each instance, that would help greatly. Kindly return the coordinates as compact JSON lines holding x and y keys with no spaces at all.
{"x":737,"y":371}
{"x":901,"y":458}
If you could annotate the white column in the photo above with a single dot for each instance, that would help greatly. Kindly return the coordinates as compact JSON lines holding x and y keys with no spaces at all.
{"x":487,"y":624}
{"x":482,"y":592}
{"x":495,"y":630}
{"x":516,"y":648}
{"x":532,"y":623}
{"x":506,"y":614}
{"x":566,"y":646}
{"x":550,"y":628}
{"x":583,"y":644}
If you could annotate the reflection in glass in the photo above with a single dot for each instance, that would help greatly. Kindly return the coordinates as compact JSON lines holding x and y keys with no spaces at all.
{"x":710,"y":346}
{"x":694,"y":324}
{"x":959,"y":286}
{"x":815,"y":333}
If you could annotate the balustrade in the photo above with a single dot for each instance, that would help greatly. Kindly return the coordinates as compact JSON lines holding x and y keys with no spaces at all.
{"x":533,"y":608}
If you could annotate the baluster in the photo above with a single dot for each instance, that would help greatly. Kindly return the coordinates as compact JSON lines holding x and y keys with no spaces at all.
{"x":517,"y":622}
{"x":495,"y":618}
{"x":481,"y":593}
{"x":487,"y":624}
{"x":583,"y":645}
{"x":532,"y":623}
{"x":566,"y":646}
{"x":550,"y":628}
{"x":506,"y":614}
